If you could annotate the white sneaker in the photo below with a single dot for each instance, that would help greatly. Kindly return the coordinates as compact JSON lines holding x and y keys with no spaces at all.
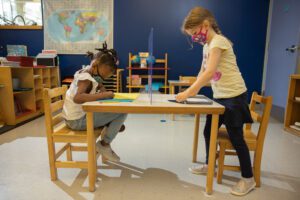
{"x":202,"y":169}
{"x":107,"y":152}
{"x":243,"y":187}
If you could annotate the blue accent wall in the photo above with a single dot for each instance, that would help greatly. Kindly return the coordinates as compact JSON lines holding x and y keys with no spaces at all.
{"x":243,"y":22}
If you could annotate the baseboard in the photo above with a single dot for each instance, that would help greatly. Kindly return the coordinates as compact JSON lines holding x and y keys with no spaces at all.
{"x":277,"y":112}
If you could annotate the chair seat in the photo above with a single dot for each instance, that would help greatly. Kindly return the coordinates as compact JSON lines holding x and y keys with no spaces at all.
{"x":64,"y":134}
{"x":249,"y":136}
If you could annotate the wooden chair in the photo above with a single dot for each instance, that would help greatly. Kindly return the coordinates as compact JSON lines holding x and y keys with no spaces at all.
{"x":254,"y":141}
{"x":58,"y":132}
{"x":190,"y":79}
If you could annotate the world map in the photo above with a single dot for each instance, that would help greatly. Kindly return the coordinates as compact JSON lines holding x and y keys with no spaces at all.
{"x":78,"y":26}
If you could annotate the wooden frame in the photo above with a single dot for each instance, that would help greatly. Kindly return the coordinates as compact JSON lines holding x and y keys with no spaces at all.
{"x":58,"y":132}
{"x":165,"y":68}
{"x":254,"y":141}
{"x":292,"y":113}
{"x":157,"y":107}
{"x":16,"y":27}
{"x":30,"y":77}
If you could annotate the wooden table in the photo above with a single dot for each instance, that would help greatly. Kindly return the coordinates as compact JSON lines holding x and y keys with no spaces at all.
{"x":160,"y":105}
{"x":178,"y":83}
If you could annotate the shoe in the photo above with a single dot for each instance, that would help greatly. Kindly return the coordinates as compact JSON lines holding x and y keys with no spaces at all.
{"x":243,"y":187}
{"x":107,"y":152}
{"x":202,"y":169}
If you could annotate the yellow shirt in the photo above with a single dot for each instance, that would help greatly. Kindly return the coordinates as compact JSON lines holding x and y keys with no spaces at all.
{"x":227,"y":82}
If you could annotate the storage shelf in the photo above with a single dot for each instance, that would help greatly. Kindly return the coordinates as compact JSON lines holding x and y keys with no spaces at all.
{"x":292,"y":111}
{"x":147,"y":68}
{"x":160,"y":71}
{"x":20,"y":101}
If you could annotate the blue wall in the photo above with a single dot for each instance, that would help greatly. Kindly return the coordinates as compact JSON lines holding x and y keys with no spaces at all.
{"x":244,"y":22}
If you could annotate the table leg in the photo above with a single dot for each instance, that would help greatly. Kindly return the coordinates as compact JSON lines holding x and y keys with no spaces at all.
{"x":91,"y":151}
{"x":196,"y":136}
{"x":212,"y":153}
{"x":172,"y":91}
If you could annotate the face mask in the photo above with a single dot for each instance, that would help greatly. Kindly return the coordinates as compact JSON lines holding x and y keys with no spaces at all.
{"x":200,"y":37}
{"x":98,"y":78}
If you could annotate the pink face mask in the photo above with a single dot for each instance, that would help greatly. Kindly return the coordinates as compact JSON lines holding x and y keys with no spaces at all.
{"x":200,"y":37}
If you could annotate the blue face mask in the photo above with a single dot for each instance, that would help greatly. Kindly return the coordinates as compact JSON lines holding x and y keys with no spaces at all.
{"x":98,"y":78}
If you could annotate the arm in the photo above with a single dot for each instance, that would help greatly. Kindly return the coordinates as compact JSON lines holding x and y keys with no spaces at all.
{"x":82,"y":96}
{"x":101,"y":87}
{"x":204,"y":76}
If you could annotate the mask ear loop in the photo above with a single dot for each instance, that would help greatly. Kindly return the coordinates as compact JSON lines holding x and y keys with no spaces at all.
{"x":189,"y":42}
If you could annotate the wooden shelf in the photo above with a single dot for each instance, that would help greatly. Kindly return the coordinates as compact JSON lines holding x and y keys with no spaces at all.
{"x":160,"y":71}
{"x":153,"y":76}
{"x":37,"y":77}
{"x":292,"y":111}
{"x":22,"y":92}
{"x":15,"y":27}
{"x":154,"y":68}
{"x":15,"y":101}
{"x":135,"y":86}
{"x":143,"y":86}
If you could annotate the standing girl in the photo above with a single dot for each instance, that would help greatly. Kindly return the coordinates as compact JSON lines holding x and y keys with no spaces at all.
{"x":219,"y":67}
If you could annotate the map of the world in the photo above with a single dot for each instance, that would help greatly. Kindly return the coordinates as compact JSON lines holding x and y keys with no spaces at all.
{"x":76,"y":26}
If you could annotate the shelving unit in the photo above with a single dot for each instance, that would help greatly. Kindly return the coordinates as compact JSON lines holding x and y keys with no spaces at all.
{"x":160,"y":65}
{"x":18,"y":106}
{"x":114,"y":83}
{"x":292,"y":113}
{"x":1,"y":118}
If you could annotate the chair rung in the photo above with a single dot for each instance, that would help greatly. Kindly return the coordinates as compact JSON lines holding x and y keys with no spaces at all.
{"x":232,"y":168}
{"x":230,"y":153}
{"x":71,"y":164}
{"x":61,"y":151}
{"x":70,"y":139}
{"x":78,"y":148}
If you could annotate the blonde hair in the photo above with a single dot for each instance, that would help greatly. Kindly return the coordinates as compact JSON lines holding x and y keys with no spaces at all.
{"x":196,"y":17}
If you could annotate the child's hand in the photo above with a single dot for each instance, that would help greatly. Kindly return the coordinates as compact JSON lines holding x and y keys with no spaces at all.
{"x":109,"y":94}
{"x":182,"y":96}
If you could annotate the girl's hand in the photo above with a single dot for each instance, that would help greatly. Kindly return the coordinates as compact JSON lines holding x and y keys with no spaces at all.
{"x":109,"y":94}
{"x":182,"y":96}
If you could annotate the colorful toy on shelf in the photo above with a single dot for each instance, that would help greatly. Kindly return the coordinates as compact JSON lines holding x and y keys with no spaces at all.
{"x":150,"y":60}
{"x":135,"y":59}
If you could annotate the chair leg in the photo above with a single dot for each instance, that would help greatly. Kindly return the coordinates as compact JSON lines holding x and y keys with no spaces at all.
{"x":221,"y":163}
{"x":257,"y":164}
{"x":69,"y":153}
{"x":196,"y":136}
{"x":52,"y":159}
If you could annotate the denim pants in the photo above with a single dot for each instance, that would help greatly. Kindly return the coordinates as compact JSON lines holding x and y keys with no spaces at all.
{"x":113,"y":121}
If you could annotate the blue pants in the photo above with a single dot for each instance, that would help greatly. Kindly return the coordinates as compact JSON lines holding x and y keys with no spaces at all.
{"x":113,"y":120}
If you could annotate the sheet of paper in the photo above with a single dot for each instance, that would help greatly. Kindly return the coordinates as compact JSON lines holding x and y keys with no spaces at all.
{"x":131,"y":96}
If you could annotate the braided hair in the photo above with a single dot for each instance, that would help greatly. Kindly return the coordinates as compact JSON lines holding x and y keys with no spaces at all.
{"x":104,"y":56}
